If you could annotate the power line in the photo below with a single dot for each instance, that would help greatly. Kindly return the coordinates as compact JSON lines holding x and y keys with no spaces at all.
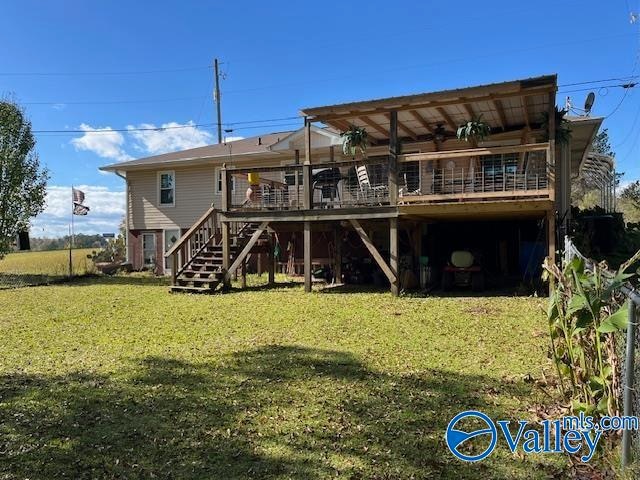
{"x":114,"y":102}
{"x":256,"y":124}
{"x":588,"y":82}
{"x":100,"y":74}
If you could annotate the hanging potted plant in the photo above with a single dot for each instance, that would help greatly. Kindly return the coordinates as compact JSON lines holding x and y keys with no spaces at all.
{"x":474,"y":131}
{"x":354,"y":140}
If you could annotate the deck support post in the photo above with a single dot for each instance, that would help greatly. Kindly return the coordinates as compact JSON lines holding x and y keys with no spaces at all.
{"x":307,"y":188}
{"x":551,"y":235}
{"x":226,"y":252}
{"x":225,"y":205}
{"x":393,"y":255}
{"x":243,"y":277}
{"x":307,"y":256}
{"x":554,"y":175}
{"x":337,"y":241}
{"x":271,"y":266}
{"x":564,"y":182}
{"x":394,"y":151}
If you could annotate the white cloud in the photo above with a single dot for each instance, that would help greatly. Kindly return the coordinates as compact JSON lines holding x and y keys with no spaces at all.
{"x":102,"y":141}
{"x":172,"y":139}
{"x":107,"y":209}
{"x":59,"y":106}
{"x":232,"y":139}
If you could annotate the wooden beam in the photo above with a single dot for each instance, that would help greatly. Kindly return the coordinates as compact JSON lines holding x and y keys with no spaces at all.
{"x":307,"y":256}
{"x":454,"y":208}
{"x":394,"y":256}
{"x":525,"y":108}
{"x":439,"y":103}
{"x":501,"y":115}
{"x":420,"y":119}
{"x":551,"y":158}
{"x":271,"y":266}
{"x":307,"y":190}
{"x":469,"y":109}
{"x":374,"y":125}
{"x":402,"y":126}
{"x":447,"y":118}
{"x":337,"y":245}
{"x":537,"y":193}
{"x":551,"y":235}
{"x":394,"y":150}
{"x":373,"y":251}
{"x":412,"y":157}
{"x":226,"y":252}
{"x":339,"y":124}
{"x":317,"y":215}
{"x":247,"y":248}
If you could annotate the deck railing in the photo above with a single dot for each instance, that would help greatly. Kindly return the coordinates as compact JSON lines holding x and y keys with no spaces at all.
{"x":481,"y":174}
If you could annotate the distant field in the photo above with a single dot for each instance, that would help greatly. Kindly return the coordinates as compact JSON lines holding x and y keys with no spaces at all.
{"x":32,"y":268}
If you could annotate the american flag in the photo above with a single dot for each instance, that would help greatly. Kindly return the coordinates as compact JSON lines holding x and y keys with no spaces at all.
{"x":78,"y":198}
{"x":78,"y":195}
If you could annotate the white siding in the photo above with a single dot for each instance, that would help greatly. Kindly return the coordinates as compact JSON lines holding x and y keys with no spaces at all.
{"x":193,"y":196}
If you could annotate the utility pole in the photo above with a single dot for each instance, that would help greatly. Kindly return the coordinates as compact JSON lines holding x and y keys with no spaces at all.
{"x":216,"y":97}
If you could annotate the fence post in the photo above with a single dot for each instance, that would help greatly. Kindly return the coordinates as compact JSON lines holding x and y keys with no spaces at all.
{"x":628,"y":382}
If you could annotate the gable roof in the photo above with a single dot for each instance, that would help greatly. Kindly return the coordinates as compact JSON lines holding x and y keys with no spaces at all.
{"x":258,"y":144}
{"x":320,"y":137}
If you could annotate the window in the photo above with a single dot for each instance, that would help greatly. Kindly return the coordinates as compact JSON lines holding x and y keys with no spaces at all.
{"x":167,"y":181}
{"x":219,"y":182}
{"x":149,"y":249}
{"x":499,"y":164}
{"x":290,"y":176}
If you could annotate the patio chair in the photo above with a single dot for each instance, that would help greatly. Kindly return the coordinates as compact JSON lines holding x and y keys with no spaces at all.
{"x":406,"y":190}
{"x":366,"y":189}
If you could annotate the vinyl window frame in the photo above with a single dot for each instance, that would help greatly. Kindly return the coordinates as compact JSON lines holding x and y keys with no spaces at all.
{"x":173,"y":188}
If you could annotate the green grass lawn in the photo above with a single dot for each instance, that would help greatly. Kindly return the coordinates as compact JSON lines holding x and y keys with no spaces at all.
{"x":116,"y":378}
{"x":33,"y":268}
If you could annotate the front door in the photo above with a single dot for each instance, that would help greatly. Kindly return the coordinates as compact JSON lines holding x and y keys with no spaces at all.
{"x":171,"y":236}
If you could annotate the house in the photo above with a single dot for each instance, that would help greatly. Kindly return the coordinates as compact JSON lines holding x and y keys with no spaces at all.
{"x":389,"y":216}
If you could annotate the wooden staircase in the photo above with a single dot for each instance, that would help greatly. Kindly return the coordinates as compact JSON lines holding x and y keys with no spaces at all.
{"x":197,"y":259}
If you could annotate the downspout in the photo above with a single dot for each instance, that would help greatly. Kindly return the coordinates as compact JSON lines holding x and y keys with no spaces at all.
{"x":126,"y":214}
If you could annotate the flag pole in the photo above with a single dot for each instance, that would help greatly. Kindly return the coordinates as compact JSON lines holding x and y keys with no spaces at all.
{"x":71,"y":238}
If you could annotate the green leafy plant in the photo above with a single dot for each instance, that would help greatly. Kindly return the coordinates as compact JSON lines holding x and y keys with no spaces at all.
{"x":584,"y":316}
{"x":563,"y":132}
{"x":354,"y":140}
{"x":475,"y":130}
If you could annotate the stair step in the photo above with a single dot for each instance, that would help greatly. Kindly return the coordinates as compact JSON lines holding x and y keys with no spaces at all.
{"x":200,"y":272}
{"x":202,"y":268}
{"x":190,"y":289}
{"x":198,"y":279}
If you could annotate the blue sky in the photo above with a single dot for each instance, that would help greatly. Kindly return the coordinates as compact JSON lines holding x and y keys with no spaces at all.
{"x":117,"y":64}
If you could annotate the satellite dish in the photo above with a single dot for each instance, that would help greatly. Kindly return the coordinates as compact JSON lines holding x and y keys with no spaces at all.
{"x":588,"y":103}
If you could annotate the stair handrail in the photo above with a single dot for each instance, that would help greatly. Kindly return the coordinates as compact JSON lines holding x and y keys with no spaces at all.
{"x":183,"y":239}
{"x":179,"y":264}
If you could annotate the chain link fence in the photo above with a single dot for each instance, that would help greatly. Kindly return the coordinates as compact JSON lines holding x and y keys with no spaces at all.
{"x":626,"y":347}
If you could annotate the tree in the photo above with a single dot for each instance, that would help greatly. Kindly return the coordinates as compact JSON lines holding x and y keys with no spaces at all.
{"x":602,"y":144}
{"x":629,"y":202}
{"x":22,"y":180}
